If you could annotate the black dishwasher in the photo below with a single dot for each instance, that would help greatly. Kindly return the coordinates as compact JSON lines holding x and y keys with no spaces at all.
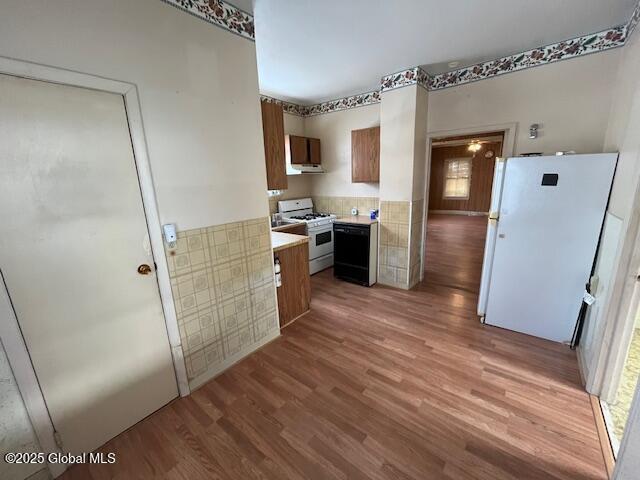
{"x":351,"y":252}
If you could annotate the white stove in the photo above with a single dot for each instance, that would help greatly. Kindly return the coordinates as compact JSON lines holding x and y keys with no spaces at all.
{"x":319,"y":230}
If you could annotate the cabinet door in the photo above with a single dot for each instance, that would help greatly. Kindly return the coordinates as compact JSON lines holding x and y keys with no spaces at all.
{"x":273,"y":135}
{"x":314,"y":150}
{"x":294,"y":295}
{"x":365,"y":155}
{"x":297,"y":148}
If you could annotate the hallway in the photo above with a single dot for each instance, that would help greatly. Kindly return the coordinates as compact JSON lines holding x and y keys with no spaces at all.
{"x":453,"y":252}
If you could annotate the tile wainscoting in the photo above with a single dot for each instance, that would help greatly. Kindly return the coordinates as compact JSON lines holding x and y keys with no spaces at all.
{"x":401,"y":243}
{"x":394,"y":244}
{"x":416,"y":242}
{"x":224,"y":293}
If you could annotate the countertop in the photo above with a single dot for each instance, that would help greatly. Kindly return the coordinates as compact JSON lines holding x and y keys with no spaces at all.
{"x":357,"y":220}
{"x":284,"y":226}
{"x":282,"y":240}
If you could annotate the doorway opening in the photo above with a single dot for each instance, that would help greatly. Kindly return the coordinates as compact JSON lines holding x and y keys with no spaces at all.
{"x":460,"y":182}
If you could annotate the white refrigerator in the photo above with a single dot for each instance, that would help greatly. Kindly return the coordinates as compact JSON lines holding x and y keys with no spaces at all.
{"x":544,"y":224}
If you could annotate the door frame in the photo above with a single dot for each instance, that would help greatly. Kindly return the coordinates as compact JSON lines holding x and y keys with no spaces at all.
{"x":619,"y":317}
{"x":10,"y":333}
{"x":508,"y":149}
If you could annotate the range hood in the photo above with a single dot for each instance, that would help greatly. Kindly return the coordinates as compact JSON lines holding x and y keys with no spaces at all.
{"x":307,"y":153}
{"x":298,"y":169}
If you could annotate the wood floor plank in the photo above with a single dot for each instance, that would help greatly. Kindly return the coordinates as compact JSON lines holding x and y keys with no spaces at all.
{"x":379,"y":383}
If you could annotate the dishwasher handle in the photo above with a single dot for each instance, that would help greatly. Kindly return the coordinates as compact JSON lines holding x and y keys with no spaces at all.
{"x":351,"y":230}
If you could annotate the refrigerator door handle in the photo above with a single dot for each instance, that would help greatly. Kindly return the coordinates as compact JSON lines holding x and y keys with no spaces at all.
{"x":492,"y":234}
{"x":487,"y":264}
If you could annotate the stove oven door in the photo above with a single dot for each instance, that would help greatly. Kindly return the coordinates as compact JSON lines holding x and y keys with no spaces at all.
{"x":320,"y":241}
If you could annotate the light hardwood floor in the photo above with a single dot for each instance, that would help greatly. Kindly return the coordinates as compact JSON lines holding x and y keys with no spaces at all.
{"x":454,"y":249}
{"x":379,"y":383}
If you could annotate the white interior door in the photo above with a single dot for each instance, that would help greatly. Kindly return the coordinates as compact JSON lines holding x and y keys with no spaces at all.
{"x":73,"y":235}
{"x":546,"y":242}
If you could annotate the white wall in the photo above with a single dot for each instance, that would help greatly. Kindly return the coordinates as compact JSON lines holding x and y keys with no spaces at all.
{"x":420,"y":144}
{"x":623,"y":132}
{"x":604,"y":320}
{"x":294,"y":124}
{"x":397,"y":143}
{"x":570,"y":99}
{"x":198,"y":87}
{"x":334,"y":132}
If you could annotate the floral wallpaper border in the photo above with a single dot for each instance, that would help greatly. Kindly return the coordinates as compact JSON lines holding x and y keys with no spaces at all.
{"x":410,"y":76}
{"x":288,"y":107}
{"x":596,"y":42}
{"x":360,"y":100}
{"x":219,"y":13}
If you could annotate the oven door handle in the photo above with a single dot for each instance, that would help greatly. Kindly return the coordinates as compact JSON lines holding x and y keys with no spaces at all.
{"x":322,"y":229}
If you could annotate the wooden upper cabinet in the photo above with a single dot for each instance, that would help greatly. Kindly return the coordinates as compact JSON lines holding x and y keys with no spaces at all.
{"x":274,"y":145}
{"x":297,"y":148}
{"x":302,"y":150}
{"x":314,"y":150}
{"x":365,"y":155}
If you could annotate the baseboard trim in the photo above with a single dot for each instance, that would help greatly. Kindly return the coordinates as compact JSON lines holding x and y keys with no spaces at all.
{"x":294,"y":320}
{"x":603,"y":435}
{"x":458,"y":212}
{"x":200,"y":380}
{"x":581,"y":371}
{"x":399,"y":286}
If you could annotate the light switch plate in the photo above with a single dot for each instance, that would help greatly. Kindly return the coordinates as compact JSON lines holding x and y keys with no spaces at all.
{"x":170,"y":235}
{"x":588,"y":298}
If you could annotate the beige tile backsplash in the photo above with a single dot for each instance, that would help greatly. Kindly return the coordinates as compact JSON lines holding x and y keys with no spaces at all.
{"x":224,"y":292}
{"x":342,"y":206}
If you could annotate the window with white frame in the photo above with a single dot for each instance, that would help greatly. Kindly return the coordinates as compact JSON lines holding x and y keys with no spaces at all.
{"x":457,"y":178}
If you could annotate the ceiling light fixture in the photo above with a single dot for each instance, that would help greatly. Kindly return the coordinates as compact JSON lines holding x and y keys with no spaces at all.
{"x":474,"y":147}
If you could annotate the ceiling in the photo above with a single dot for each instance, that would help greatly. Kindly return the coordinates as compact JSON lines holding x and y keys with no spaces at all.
{"x":310,"y":51}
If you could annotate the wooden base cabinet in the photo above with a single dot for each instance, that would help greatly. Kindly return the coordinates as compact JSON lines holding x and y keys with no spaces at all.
{"x":294,"y":295}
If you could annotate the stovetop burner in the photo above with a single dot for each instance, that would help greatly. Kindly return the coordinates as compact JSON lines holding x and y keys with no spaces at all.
{"x":310,"y":216}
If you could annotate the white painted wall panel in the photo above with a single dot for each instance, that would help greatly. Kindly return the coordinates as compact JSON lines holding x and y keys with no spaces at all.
{"x":198,"y":87}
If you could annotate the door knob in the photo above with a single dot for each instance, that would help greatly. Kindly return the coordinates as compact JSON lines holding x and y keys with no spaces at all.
{"x":144,"y":269}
